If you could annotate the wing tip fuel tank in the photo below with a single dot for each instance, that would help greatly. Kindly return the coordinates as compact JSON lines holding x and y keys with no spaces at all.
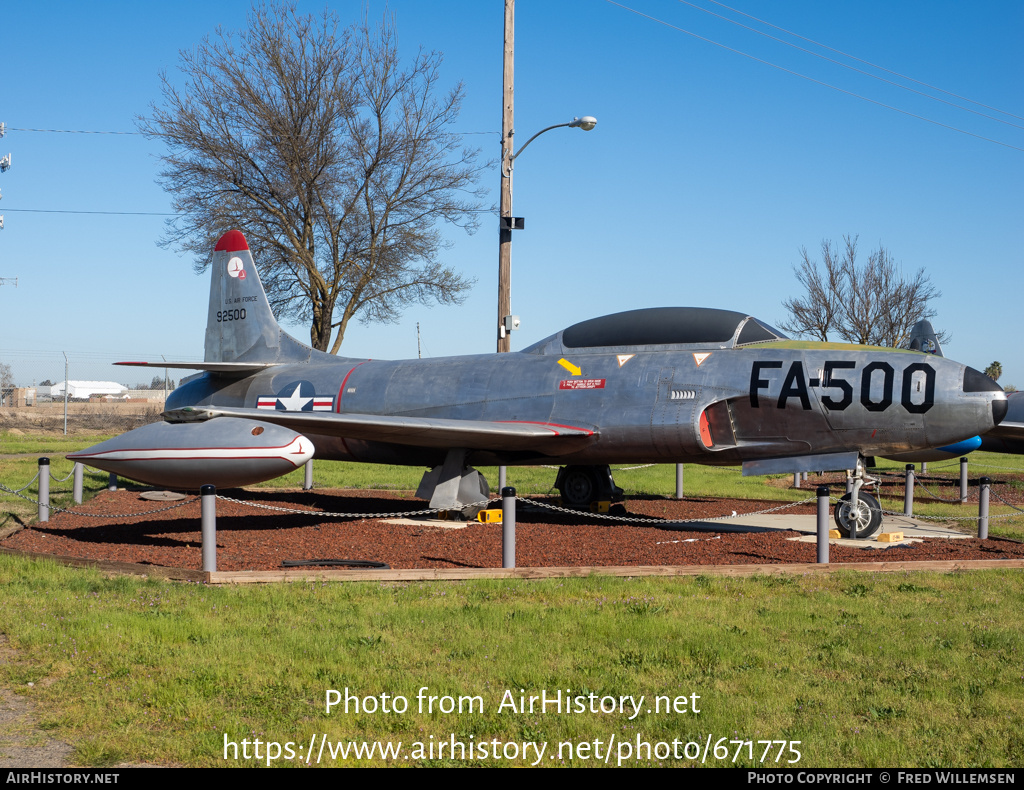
{"x":221,"y":452}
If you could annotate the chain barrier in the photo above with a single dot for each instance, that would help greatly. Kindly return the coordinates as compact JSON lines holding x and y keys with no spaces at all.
{"x":996,"y":494}
{"x":918,"y":517}
{"x":943,"y":499}
{"x":661,"y":521}
{"x":63,"y":479}
{"x":1016,"y":469}
{"x":11,"y":491}
{"x":327,"y":514}
{"x":55,"y":509}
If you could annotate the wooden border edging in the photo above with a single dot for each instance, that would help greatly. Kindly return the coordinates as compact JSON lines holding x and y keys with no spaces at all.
{"x":464,"y":574}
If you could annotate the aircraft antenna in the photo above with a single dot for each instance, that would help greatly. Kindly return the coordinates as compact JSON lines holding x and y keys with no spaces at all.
{"x":419,"y":348}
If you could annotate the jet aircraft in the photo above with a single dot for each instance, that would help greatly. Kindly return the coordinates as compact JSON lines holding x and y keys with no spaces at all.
{"x":667,"y":384}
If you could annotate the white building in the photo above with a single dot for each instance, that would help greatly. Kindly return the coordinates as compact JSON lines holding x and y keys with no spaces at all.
{"x":83,"y":390}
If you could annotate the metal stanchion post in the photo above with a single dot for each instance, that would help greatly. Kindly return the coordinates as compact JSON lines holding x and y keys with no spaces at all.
{"x":908,"y":495}
{"x":679,"y":481}
{"x":796,"y":479}
{"x":77,"y":486}
{"x":963,"y":480}
{"x":502,"y":477}
{"x":208,"y":494}
{"x":508,"y":527}
{"x":986,"y":484}
{"x":823,"y":524}
{"x":44,"y":489}
{"x":307,"y":483}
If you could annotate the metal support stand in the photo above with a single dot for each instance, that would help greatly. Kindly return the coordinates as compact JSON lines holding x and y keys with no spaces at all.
{"x":796,"y":479}
{"x":823,"y":494}
{"x":508,"y":527}
{"x":924,"y":467}
{"x":679,"y":481}
{"x":112,"y":482}
{"x":307,"y":483}
{"x":963,"y":480}
{"x":77,"y":484}
{"x":986,"y":484}
{"x":44,"y":489}
{"x":208,"y":517}
{"x":908,"y":492}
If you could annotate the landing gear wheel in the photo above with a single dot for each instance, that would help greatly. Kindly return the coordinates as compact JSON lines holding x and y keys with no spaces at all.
{"x":579,"y":486}
{"x":865,"y":521}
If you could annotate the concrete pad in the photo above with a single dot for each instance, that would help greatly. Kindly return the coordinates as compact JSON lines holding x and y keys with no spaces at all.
{"x":429,"y":522}
{"x":913,"y":530}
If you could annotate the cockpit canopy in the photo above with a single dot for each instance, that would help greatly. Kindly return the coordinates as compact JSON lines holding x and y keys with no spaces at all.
{"x":656,"y":328}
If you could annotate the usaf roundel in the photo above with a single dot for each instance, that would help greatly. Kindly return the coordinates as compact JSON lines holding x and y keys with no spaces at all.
{"x":296,"y":396}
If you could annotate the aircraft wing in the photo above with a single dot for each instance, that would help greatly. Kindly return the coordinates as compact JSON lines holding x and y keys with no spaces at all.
{"x":540,"y":437}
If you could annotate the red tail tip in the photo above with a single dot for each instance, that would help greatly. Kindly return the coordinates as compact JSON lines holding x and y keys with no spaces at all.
{"x":232,"y":241}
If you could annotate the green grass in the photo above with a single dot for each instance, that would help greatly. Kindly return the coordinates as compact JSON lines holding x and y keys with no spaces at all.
{"x":892,"y":670}
{"x":911,"y":669}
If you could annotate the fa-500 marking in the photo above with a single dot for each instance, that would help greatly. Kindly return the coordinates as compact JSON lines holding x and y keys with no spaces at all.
{"x":672,"y":384}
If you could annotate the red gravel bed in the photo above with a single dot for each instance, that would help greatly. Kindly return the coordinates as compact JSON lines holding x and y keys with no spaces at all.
{"x":253,"y":539}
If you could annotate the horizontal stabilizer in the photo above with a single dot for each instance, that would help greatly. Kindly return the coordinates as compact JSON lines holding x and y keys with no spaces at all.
{"x":545,"y":438}
{"x":236,"y":368}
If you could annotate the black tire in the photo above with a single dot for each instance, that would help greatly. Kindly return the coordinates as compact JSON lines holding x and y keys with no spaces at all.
{"x":579,"y":486}
{"x":868,"y":519}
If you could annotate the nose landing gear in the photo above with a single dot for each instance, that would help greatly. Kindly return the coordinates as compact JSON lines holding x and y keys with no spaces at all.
{"x":858,"y":514}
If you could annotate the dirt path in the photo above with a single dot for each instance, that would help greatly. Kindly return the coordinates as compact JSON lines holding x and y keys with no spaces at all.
{"x":22,"y":743}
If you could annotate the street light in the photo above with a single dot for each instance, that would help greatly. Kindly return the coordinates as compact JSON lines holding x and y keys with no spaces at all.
{"x":508,"y":223}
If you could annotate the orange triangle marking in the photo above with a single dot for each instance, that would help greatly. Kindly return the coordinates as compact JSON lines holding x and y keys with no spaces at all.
{"x":700,"y":357}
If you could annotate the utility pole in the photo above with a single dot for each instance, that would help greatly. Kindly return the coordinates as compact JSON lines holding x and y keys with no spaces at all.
{"x":505,"y":166}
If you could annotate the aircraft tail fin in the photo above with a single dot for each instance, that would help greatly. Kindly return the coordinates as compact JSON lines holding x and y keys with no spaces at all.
{"x":923,"y":338}
{"x":240,"y":326}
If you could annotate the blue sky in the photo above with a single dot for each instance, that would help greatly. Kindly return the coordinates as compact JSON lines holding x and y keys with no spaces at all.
{"x":705,"y":175}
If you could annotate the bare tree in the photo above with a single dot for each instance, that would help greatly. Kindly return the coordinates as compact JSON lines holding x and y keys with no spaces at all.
{"x":871,"y":303}
{"x":334,"y":160}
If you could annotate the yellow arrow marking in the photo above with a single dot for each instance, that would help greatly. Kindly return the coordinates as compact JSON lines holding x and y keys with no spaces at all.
{"x":569,"y":366}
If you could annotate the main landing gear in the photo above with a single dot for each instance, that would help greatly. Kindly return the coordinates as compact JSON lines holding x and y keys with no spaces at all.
{"x":858,"y":513}
{"x":583,"y":486}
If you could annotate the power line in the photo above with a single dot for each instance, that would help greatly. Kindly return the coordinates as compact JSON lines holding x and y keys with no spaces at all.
{"x":90,"y":131}
{"x":124,"y":213}
{"x":852,"y":68}
{"x":66,"y":131}
{"x":812,"y":79}
{"x":162,"y":213}
{"x":866,"y":62}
